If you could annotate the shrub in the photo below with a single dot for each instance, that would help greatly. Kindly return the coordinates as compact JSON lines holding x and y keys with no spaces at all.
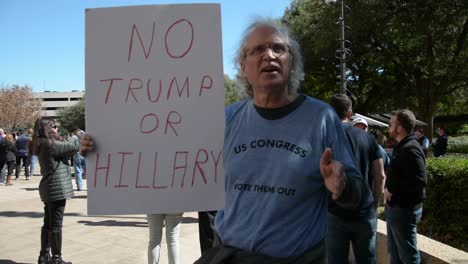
{"x":446,"y":207}
{"x":457,"y":144}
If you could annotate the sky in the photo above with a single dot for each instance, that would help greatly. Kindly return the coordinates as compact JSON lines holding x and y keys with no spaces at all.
{"x":42,"y":42}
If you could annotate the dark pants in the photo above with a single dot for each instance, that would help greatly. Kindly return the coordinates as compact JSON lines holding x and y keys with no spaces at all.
{"x":25,"y":160}
{"x":206,"y":230}
{"x":53,"y":215}
{"x":223,"y":254}
{"x":401,"y":234}
{"x":10,"y":165}
{"x":51,"y":233}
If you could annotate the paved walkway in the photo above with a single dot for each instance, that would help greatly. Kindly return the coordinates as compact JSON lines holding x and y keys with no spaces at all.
{"x":86,"y":240}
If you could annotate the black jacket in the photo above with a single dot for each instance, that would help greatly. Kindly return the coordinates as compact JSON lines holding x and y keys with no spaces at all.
{"x":440,"y":146}
{"x":406,"y":179}
{"x":22,"y":143}
{"x":7,"y":151}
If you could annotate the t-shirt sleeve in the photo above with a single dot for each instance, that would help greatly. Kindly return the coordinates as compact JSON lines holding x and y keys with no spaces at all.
{"x":374,"y":148}
{"x":341,"y":151}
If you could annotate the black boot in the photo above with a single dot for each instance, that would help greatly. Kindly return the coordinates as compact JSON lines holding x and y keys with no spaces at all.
{"x":55,"y":238}
{"x":44,"y":255}
{"x":44,"y":258}
{"x":58,"y":260}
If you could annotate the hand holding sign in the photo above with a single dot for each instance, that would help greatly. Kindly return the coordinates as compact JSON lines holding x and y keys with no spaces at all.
{"x":333,"y":174}
{"x":86,"y":145}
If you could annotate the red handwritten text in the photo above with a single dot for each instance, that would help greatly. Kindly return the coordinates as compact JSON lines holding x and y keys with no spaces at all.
{"x":202,"y":166}
{"x":175,"y":28}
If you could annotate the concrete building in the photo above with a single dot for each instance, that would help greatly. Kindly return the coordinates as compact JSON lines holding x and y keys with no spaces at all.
{"x":53,"y":101}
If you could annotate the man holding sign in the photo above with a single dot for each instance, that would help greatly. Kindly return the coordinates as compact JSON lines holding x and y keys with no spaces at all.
{"x":284,"y":153}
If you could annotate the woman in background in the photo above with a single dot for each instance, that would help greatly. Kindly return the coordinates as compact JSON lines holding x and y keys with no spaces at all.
{"x":8,"y":156}
{"x":55,"y":186}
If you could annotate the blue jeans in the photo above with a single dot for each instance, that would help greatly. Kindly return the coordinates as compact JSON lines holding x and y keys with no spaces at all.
{"x":361,"y":233}
{"x":32,"y":164}
{"x":3,"y":172}
{"x":401,"y":234}
{"x":79,"y":164}
{"x":155,"y":222}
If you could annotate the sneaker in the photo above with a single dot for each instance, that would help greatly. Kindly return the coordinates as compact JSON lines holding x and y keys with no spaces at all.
{"x":17,"y":178}
{"x":2,"y":184}
{"x":27,"y":178}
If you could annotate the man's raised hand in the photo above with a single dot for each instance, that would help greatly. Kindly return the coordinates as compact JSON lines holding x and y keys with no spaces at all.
{"x":333,"y":174}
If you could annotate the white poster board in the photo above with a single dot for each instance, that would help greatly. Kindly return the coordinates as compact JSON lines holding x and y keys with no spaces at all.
{"x":155,"y":108}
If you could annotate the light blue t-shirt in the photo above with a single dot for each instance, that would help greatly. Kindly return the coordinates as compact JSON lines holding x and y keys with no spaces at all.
{"x":276,"y":200}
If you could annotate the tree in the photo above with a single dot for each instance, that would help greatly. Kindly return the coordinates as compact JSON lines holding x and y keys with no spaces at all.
{"x":73,"y":116}
{"x":230,"y":92}
{"x":405,"y":54}
{"x":18,"y":107}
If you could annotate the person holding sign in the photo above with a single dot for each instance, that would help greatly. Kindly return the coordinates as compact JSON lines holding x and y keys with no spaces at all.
{"x":55,"y":186}
{"x":284,"y":153}
{"x":155,"y":222}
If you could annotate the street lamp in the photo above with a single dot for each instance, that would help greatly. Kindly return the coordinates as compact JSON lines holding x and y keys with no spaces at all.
{"x":343,"y":51}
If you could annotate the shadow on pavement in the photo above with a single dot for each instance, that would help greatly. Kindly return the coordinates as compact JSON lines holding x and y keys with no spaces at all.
{"x":189,"y":220}
{"x":29,"y":214}
{"x":186,"y":220}
{"x":114,"y":223}
{"x":7,"y":261}
{"x":29,"y":190}
{"x":84,"y":196}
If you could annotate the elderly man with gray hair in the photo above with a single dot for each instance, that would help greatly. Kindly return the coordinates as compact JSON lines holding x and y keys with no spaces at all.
{"x":284,"y":154}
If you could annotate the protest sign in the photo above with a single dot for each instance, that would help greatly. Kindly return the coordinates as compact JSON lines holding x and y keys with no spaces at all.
{"x":155,"y":108}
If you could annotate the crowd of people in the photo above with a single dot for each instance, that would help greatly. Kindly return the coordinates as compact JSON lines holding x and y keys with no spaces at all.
{"x":14,"y":155}
{"x":337,"y":179}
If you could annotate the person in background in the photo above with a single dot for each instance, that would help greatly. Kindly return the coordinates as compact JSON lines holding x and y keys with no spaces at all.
{"x":206,"y":231}
{"x":22,"y":143}
{"x":55,"y":186}
{"x":3,"y":170}
{"x":172,"y":223}
{"x":440,"y":146}
{"x":405,"y":190}
{"x":357,"y":226}
{"x":32,"y":158}
{"x":22,"y":159}
{"x":156,"y":222}
{"x":284,"y":154}
{"x":423,"y":141}
{"x":79,"y":162}
{"x":7,"y":156}
{"x":362,"y":124}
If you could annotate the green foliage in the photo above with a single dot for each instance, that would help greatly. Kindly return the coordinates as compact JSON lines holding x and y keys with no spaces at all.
{"x":405,"y":54}
{"x":446,"y":206}
{"x":458,"y":144}
{"x":230,"y":93}
{"x":73,"y":116}
{"x":463,"y":129}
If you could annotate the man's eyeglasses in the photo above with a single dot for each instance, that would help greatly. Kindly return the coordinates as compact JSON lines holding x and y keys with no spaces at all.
{"x":277,"y":48}
{"x":53,"y":126}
